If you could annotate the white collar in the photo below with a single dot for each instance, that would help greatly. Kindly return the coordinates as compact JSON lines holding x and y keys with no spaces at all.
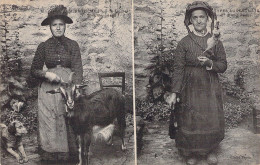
{"x":199,"y":34}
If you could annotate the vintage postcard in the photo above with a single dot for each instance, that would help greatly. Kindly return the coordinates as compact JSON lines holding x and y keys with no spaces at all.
{"x":66,"y":82}
{"x":130,"y":82}
{"x":202,"y":58}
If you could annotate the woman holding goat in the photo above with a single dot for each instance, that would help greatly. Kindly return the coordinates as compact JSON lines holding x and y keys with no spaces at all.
{"x":61,"y":56}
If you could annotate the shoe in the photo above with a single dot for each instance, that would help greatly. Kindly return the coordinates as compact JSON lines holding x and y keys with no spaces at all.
{"x":191,"y":161}
{"x":212,"y":159}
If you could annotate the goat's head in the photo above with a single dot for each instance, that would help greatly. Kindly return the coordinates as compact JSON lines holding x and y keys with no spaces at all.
{"x":69,"y":91}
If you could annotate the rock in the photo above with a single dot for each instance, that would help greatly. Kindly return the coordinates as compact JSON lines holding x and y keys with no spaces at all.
{"x":254,"y":41}
{"x":17,"y":92}
{"x":16,"y":83}
{"x":139,"y":121}
{"x":4,"y":99}
{"x":39,"y":34}
{"x":100,"y":60}
{"x":96,"y":50}
{"x":146,"y":9}
{"x":129,"y":119}
{"x":140,"y":73}
{"x":3,"y":87}
{"x":152,"y":131}
{"x":129,"y":131}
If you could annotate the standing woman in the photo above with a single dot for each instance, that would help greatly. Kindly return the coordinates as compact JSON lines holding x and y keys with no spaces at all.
{"x":200,"y":118}
{"x":61,"y":56}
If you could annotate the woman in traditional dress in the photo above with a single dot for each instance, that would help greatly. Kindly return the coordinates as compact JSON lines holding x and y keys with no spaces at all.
{"x":61,"y":56}
{"x":200,"y":117}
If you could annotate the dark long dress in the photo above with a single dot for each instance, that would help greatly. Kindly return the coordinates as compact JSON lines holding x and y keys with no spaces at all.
{"x":200,"y":117}
{"x":61,"y":56}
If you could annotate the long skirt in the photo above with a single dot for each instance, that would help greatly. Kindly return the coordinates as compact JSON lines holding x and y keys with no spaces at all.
{"x":200,"y":118}
{"x":54,"y":134}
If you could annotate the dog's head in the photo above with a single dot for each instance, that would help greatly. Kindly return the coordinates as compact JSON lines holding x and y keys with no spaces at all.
{"x":16,"y":128}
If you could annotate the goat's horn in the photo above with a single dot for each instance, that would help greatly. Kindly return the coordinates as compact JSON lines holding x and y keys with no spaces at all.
{"x":71,"y":76}
{"x":81,"y":86}
{"x":62,"y":82}
{"x":57,"y":90}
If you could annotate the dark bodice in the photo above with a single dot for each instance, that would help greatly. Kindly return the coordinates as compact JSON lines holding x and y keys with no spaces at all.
{"x":185,"y":60}
{"x":63,"y":51}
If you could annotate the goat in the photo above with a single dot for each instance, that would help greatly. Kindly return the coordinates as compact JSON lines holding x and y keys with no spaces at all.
{"x":84,"y":112}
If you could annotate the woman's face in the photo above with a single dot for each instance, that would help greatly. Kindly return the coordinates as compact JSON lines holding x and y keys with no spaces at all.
{"x":199,"y":20}
{"x":57,"y":27}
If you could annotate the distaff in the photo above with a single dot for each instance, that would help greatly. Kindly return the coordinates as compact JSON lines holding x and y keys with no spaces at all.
{"x":212,"y":41}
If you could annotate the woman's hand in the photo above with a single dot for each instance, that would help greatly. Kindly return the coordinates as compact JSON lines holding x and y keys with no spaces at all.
{"x":205,"y":61}
{"x":52,"y":77}
{"x":170,"y":99}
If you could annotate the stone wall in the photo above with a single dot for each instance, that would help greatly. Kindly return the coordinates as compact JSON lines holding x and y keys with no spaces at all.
{"x":103,"y":30}
{"x":101,"y":27}
{"x":239,"y":25}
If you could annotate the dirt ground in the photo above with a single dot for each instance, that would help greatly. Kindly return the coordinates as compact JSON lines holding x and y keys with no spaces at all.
{"x":101,"y":154}
{"x":240,"y":146}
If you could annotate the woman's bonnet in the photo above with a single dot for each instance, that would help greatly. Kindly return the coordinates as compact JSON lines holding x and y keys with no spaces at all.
{"x":57,"y":11}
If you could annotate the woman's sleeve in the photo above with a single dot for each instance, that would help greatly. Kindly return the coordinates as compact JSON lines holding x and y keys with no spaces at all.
{"x":76,"y":64}
{"x":220,"y":64}
{"x":178,"y":69}
{"x":38,"y":62}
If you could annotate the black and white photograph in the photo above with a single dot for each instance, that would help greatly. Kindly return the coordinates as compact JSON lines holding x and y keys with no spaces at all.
{"x":197,"y":81}
{"x":66,"y":82}
{"x":130,"y":82}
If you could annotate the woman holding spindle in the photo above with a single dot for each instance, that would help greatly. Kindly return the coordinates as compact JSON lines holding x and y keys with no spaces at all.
{"x":200,"y":57}
{"x":61,"y":56}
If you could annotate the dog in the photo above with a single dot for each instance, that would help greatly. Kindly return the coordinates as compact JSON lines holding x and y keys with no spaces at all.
{"x":12,"y":139}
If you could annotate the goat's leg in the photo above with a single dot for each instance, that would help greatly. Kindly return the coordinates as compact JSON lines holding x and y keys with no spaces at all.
{"x":123,"y":147}
{"x":87,"y":139}
{"x":81,"y":149}
{"x":122,"y":126}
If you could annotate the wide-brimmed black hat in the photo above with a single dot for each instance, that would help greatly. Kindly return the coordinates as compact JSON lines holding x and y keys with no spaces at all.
{"x":58,"y":11}
{"x":202,"y":6}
